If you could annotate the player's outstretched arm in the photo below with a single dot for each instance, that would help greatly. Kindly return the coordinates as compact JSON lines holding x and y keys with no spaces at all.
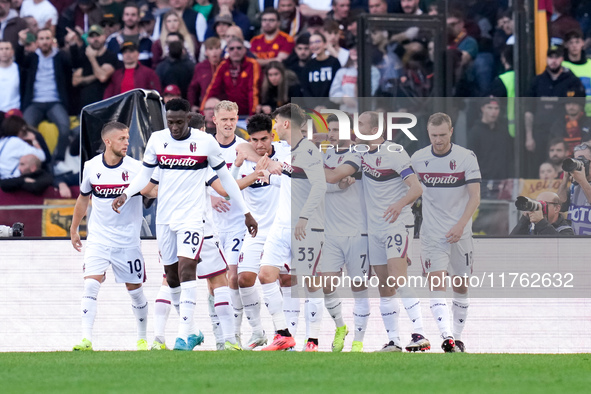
{"x":79,"y":212}
{"x":233,"y":191}
{"x":136,"y":186}
{"x":457,"y":230}
{"x":342,"y":171}
{"x":414,"y":191}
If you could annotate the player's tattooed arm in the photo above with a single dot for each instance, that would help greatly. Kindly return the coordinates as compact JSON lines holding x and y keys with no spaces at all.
{"x":79,"y":213}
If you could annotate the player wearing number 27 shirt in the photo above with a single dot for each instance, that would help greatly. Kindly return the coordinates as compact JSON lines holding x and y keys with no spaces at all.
{"x":183,"y":156}
{"x":451,"y":194}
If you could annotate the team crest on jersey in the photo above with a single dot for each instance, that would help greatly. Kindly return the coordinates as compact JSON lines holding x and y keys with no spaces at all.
{"x":378,"y":161}
{"x":193,"y":147}
{"x":98,"y":175}
{"x":125,"y":176}
{"x":340,"y":160}
{"x":452,"y":165}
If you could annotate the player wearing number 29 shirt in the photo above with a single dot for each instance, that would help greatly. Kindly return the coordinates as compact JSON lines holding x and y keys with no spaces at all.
{"x":451,"y":194}
{"x":112,"y":239}
{"x":183,"y":156}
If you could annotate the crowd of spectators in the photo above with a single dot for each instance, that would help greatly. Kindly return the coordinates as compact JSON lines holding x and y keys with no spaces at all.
{"x":57,"y":56}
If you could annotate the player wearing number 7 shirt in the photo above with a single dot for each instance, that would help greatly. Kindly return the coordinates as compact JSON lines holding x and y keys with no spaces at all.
{"x":112,"y":239}
{"x":183,"y":156}
{"x":451,"y":194}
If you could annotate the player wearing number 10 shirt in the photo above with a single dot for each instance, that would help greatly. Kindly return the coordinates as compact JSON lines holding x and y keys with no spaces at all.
{"x":183,"y":156}
{"x":112,"y":239}
{"x":451,"y":194}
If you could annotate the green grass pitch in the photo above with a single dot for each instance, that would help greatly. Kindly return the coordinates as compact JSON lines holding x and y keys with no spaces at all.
{"x":280,"y":372}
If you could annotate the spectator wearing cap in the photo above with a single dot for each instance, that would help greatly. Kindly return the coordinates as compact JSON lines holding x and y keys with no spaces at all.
{"x":12,"y":147}
{"x":171,"y":92}
{"x":299,"y":57}
{"x":112,"y":8}
{"x":9,"y":78}
{"x":147,"y":23}
{"x":314,"y":24}
{"x":46,"y":78}
{"x":221,"y":25}
{"x":133,"y":75}
{"x":490,"y":140}
{"x":172,"y":23}
{"x":93,"y":66}
{"x":555,"y":81}
{"x":176,"y":68}
{"x":110,"y":25}
{"x":272,"y":44}
{"x":576,"y":61}
{"x":291,"y":20}
{"x":237,"y":79}
{"x":575,"y":126}
{"x":33,"y":179}
{"x":226,"y":7}
{"x":131,"y":32}
{"x":203,"y":72}
{"x":43,"y":11}
{"x":82,"y":14}
{"x":10,"y":23}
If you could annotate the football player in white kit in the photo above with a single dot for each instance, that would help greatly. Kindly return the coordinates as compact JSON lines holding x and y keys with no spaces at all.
{"x":345,"y":243}
{"x":228,"y":219}
{"x":451,"y":194}
{"x":390,"y":187}
{"x":262,"y":200}
{"x":183,"y":156}
{"x":112,"y":239}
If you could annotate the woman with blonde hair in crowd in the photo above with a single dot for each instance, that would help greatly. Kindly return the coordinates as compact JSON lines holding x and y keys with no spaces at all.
{"x":172,"y":23}
{"x":279,"y":86}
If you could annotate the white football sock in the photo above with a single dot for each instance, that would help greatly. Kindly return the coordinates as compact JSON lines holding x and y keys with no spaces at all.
{"x":413,"y":309}
{"x":291,"y":310}
{"x":361,"y":311}
{"x":187,"y":308}
{"x":215,"y":320}
{"x":161,"y":312}
{"x":334,"y":307}
{"x":459,"y":308}
{"x":175,"y":298}
{"x":314,"y":313}
{"x":238,"y":310}
{"x":274,"y":302}
{"x":91,"y":289}
{"x":139,"y":304}
{"x":251,"y":302}
{"x":390,"y":309}
{"x":440,"y":313}
{"x":223,"y":308}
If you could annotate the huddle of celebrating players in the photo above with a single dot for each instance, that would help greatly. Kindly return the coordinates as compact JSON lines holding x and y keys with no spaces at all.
{"x":232,"y":211}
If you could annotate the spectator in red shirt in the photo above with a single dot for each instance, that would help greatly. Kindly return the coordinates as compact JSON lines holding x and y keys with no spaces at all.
{"x":273,"y":44}
{"x":133,"y":75}
{"x":236,"y":79}
{"x":203,"y":72}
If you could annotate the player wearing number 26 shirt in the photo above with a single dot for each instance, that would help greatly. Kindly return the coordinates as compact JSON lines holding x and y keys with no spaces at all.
{"x":451,"y":194}
{"x":112,"y":239}
{"x":183,"y":156}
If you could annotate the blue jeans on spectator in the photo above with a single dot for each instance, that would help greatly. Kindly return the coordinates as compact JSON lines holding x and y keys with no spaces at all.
{"x":56,"y":113}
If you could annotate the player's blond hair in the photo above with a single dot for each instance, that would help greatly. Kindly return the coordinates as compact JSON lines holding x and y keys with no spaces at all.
{"x":226,"y":105}
{"x":437,"y":119}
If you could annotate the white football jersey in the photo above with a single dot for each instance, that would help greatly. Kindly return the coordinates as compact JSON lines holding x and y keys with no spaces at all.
{"x":232,"y":220}
{"x":105,"y":226}
{"x":384,"y":171}
{"x":183,"y":173}
{"x":262,"y":198}
{"x":308,"y":184}
{"x":445,"y":191}
{"x":345,"y":209}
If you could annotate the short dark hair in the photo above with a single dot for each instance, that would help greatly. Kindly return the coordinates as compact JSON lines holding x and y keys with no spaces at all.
{"x":332,"y":118}
{"x":259,"y":122}
{"x":270,"y":10}
{"x":572,"y":34}
{"x":12,"y":125}
{"x":132,"y":5}
{"x":197,"y":121}
{"x":557,"y":141}
{"x":176,"y":33}
{"x":111,"y":126}
{"x":321,"y":36}
{"x":291,"y":111}
{"x":178,"y":104}
{"x":175,"y":50}
{"x":331,"y":26}
{"x":507,"y":54}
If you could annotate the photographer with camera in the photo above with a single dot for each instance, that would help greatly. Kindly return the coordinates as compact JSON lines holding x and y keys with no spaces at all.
{"x":541,"y":217}
{"x":579,"y":193}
